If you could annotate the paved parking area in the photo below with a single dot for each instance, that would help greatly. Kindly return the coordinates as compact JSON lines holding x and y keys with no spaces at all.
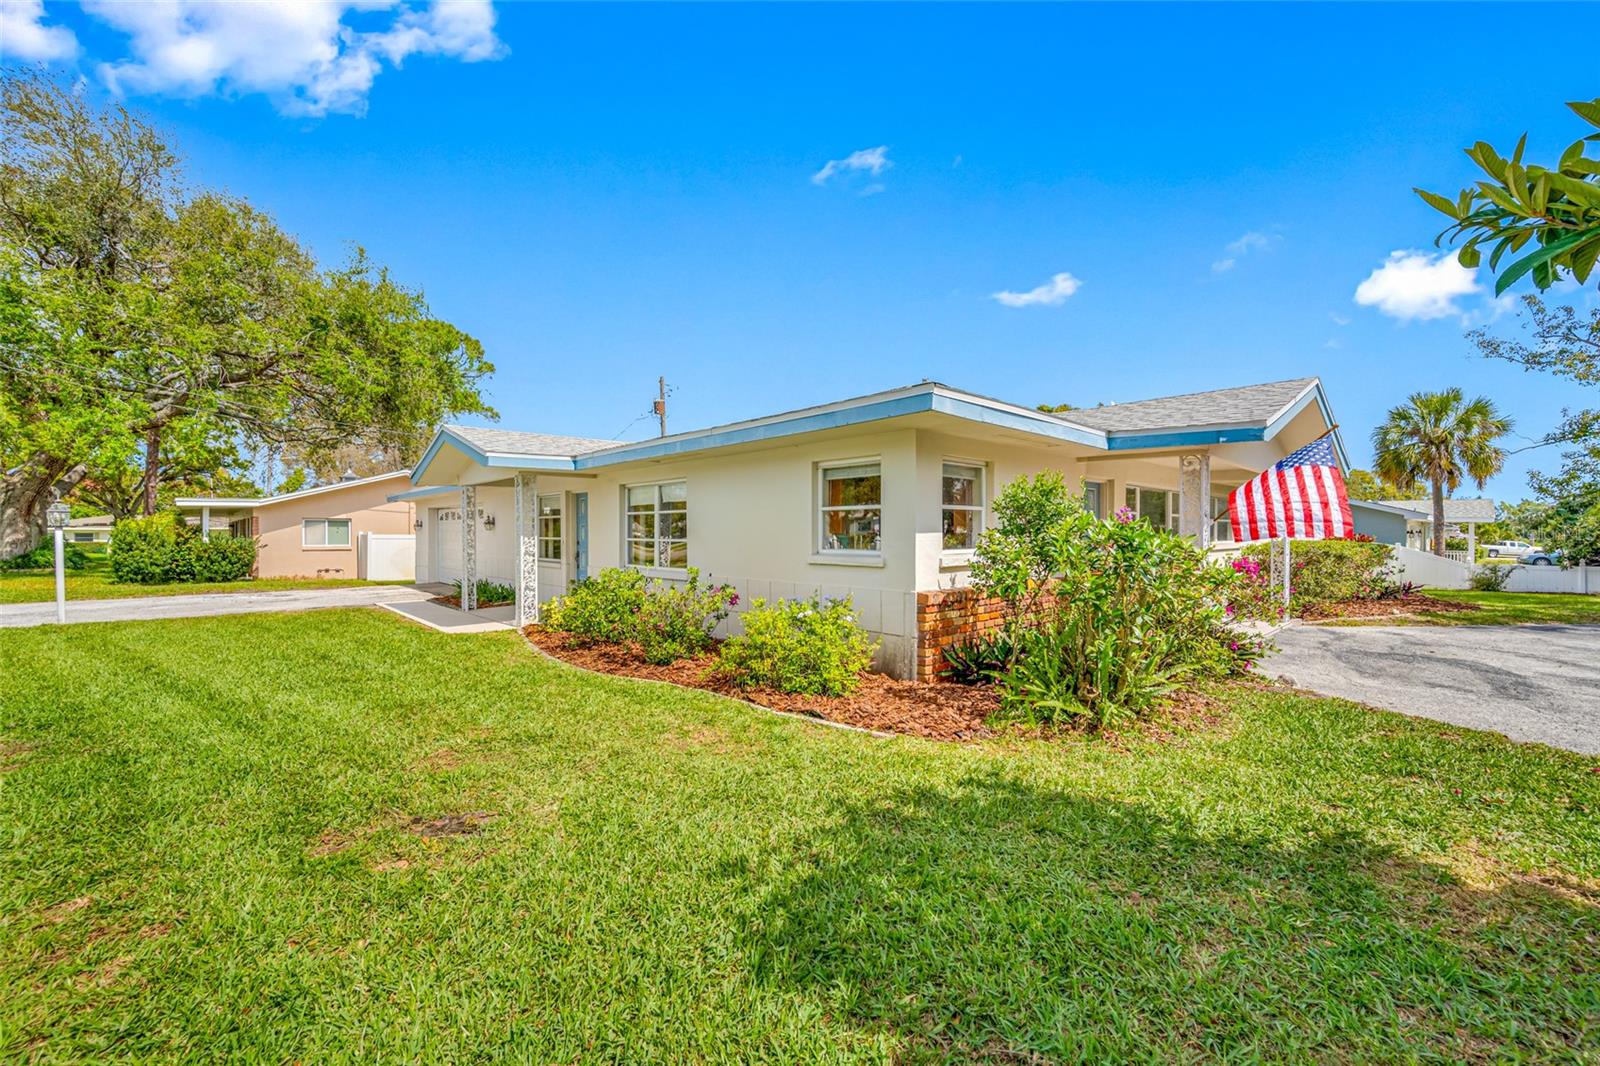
{"x":1534,"y":683}
{"x":206,"y":604}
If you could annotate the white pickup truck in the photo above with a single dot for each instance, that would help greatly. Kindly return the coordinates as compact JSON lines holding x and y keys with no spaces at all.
{"x":1509,"y":549}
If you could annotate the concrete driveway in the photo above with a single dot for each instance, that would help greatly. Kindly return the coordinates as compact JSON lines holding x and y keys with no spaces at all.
{"x":206,"y":604}
{"x":1538,"y":683}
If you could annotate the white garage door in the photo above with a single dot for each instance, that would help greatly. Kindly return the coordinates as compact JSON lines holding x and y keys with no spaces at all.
{"x":446,"y":544}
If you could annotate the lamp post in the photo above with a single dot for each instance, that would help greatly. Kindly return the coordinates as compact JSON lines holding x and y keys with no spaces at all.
{"x":56,"y":516}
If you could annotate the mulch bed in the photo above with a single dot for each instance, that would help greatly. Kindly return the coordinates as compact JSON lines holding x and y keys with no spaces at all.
{"x":936,"y":710}
{"x":1388,"y":608}
{"x":455,"y":602}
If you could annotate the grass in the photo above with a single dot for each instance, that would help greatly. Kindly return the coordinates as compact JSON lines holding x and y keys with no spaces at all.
{"x":1497,"y":609}
{"x":206,"y":850}
{"x":93,"y":582}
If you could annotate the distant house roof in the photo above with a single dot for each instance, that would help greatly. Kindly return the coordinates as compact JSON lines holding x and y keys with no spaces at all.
{"x":1246,"y":405}
{"x":93,"y":521}
{"x":190,"y":503}
{"x":1386,"y":508}
{"x":1476,"y":509}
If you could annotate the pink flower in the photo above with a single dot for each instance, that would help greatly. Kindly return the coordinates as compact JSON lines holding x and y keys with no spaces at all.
{"x":1125,"y":515}
{"x":733,"y":601}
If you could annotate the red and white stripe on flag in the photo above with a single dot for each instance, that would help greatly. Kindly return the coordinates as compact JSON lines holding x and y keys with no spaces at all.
{"x":1301,"y":496}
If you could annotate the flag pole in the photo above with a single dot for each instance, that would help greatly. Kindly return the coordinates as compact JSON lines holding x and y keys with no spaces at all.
{"x":1286,"y":575}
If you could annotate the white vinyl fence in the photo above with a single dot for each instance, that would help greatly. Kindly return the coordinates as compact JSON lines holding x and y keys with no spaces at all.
{"x":1425,"y":568}
{"x":386,"y":557}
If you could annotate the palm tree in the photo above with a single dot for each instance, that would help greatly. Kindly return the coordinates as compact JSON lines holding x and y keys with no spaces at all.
{"x":1440,"y":438}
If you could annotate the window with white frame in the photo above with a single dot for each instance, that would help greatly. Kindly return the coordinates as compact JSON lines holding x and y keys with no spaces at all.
{"x":1092,"y":492}
{"x":961,"y":502}
{"x":325,"y":532}
{"x":1159,"y":507}
{"x":550,"y":527}
{"x":851,"y":507}
{"x":656,"y":527}
{"x":1221,"y":524}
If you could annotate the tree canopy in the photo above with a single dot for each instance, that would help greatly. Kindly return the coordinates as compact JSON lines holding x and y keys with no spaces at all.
{"x":149,"y":330}
{"x":1555,"y":208}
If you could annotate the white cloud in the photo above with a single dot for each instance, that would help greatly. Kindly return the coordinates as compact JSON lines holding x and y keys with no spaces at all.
{"x":1416,"y":285}
{"x":872,"y":160}
{"x":23,"y":34}
{"x":1052,"y":293}
{"x":1238,"y":249}
{"x":301,"y":53}
{"x":1337,"y":319}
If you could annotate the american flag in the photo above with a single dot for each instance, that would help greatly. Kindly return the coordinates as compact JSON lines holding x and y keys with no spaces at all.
{"x":1301,"y":495}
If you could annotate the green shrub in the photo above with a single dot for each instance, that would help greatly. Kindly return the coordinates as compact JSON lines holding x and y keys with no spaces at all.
{"x":602,"y":607}
{"x":812,"y":647}
{"x":161,"y":548}
{"x":1330,"y":571}
{"x":490,"y":593}
{"x":676,"y":621}
{"x":1105,"y":616}
{"x":44,"y":558}
{"x":1490,"y":578}
{"x":619,"y":606}
{"x":974,"y":661}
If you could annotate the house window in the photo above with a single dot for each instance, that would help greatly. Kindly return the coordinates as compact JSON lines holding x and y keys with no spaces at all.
{"x":851,"y":511}
{"x":550,"y":527}
{"x":962,"y":502}
{"x":325,"y":532}
{"x":1091,"y":498}
{"x":657,"y":531}
{"x":1159,"y":507}
{"x":1221,"y":524}
{"x":83,"y":538}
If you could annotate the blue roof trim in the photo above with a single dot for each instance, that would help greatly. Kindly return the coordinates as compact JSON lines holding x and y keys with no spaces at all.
{"x":417,"y":494}
{"x":1312,"y":395}
{"x":443,"y":436}
{"x":1125,"y":441}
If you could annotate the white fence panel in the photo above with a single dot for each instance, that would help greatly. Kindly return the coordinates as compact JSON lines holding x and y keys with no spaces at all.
{"x":387,"y":557}
{"x":1425,"y":568}
{"x":1554,"y":579}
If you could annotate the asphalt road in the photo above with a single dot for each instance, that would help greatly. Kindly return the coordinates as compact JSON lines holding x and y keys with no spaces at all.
{"x":1535,"y":683}
{"x":207,"y":604}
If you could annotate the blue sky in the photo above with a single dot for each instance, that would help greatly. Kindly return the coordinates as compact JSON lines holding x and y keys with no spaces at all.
{"x":604,"y":193}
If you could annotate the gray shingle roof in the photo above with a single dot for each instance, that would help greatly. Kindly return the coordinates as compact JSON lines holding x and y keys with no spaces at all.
{"x":1219,"y":407}
{"x":509,"y":440}
{"x":1455,"y":510}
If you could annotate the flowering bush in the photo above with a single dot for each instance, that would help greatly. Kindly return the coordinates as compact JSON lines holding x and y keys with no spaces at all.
{"x":618,"y":606}
{"x":814,"y":647}
{"x":1115,"y":613}
{"x":676,"y":621}
{"x":1330,"y":571}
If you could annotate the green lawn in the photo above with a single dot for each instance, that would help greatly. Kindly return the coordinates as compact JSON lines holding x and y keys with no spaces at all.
{"x":94,"y":582}
{"x":206,"y":852}
{"x":1496,"y":609}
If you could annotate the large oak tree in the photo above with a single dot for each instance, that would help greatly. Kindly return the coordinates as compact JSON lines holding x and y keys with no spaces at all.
{"x":145,"y":322}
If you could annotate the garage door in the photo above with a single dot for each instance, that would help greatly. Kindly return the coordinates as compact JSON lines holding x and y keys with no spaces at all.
{"x":446,"y":544}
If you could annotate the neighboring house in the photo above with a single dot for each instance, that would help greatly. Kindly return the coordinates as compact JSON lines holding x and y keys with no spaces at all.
{"x":93,"y":529}
{"x":878,"y":497}
{"x":1383,"y":522}
{"x":1461,"y":519}
{"x":314,"y":532}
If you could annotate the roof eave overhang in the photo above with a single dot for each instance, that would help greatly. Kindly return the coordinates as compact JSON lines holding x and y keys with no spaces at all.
{"x":1239,"y":432}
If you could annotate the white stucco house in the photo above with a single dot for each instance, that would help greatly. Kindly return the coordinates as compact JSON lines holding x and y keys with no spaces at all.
{"x":877,"y":497}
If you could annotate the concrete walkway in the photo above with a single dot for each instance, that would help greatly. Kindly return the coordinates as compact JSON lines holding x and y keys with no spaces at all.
{"x":450,"y":620}
{"x":205,"y":605}
{"x":1537,"y":682}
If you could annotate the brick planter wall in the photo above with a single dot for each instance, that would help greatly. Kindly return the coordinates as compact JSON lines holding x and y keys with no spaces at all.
{"x":950,"y":616}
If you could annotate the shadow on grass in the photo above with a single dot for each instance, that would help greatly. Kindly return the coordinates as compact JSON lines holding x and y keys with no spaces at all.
{"x":1001,"y":922}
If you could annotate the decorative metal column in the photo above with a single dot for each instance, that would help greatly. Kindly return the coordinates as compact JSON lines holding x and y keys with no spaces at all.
{"x":527,"y":491}
{"x":469,"y":547}
{"x":1194,"y":497}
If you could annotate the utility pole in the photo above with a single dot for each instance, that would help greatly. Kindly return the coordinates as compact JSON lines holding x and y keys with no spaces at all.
{"x":661,"y":403}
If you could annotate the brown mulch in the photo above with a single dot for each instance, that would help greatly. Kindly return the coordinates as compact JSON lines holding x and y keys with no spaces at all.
{"x":1388,"y":608}
{"x":455,"y":602}
{"x":936,"y":710}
